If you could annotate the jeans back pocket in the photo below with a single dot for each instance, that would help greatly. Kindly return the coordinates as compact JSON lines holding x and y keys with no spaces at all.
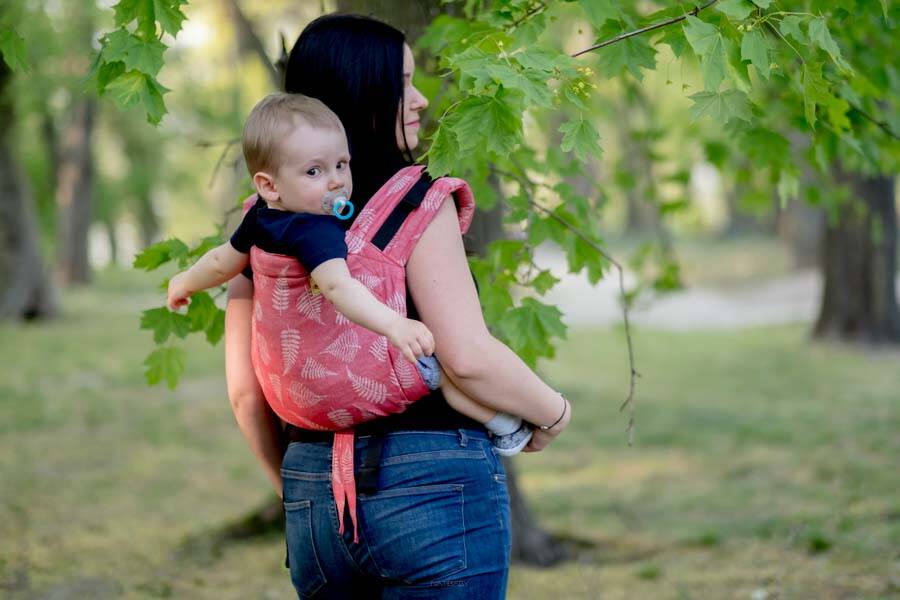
{"x":306,"y":572}
{"x":417,"y":534}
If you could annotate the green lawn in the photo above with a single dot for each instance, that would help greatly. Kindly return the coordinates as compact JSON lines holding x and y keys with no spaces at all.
{"x":761,"y":462}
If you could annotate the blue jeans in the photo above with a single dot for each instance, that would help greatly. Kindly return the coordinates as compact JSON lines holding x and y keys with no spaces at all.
{"x":437,"y":526}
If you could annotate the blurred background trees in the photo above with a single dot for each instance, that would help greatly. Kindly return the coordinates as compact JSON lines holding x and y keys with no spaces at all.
{"x":750,"y":120}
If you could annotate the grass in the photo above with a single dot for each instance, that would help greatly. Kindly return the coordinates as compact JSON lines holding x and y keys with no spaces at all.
{"x":764,"y":466}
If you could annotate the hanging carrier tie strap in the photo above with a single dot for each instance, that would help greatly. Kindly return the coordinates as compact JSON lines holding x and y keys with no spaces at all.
{"x":343,"y":482}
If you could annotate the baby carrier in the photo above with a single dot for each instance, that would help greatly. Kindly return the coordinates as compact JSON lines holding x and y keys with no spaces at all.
{"x":318,"y":369}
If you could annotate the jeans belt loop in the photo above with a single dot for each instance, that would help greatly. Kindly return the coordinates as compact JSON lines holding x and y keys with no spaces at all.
{"x":463,"y":438}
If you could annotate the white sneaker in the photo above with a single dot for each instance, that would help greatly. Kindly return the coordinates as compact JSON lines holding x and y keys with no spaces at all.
{"x":512,"y":443}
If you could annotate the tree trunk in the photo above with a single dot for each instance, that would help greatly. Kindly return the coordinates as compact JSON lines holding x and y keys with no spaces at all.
{"x":531,"y":544}
{"x":148,"y":222}
{"x":25,"y":288}
{"x":802,"y":226}
{"x":74,"y":193}
{"x":859,"y":262}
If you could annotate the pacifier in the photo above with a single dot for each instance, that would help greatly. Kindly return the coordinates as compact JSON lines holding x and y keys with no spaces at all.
{"x":337,"y":204}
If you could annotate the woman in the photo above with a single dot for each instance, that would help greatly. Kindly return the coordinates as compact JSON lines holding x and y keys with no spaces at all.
{"x":433,"y":508}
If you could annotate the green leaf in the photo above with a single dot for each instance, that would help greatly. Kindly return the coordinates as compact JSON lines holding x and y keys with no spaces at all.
{"x":201,"y":311}
{"x":216,"y":329}
{"x":544,"y":281}
{"x":541,"y":229}
{"x":12,"y":46}
{"x":205,"y":316}
{"x":600,"y":11}
{"x":709,"y":45}
{"x":762,"y":3}
{"x":837,"y":113}
{"x":489,"y":122}
{"x":735,"y":9}
{"x":755,"y":48}
{"x":205,"y":245}
{"x":721,"y":107}
{"x":472,"y":65}
{"x":788,"y":188}
{"x":630,"y":54}
{"x":141,"y":11}
{"x":493,"y":291}
{"x":766,"y":147}
{"x":108,"y":72}
{"x":169,"y":15}
{"x":790,"y":27}
{"x":532,"y":85}
{"x":164,"y":323}
{"x":675,"y":38}
{"x":581,"y":255}
{"x":166,"y":363}
{"x":530,"y":327}
{"x":133,"y":88}
{"x":160,"y":253}
{"x":579,"y":135}
{"x":716,"y":153}
{"x":669,"y":277}
{"x":443,"y":152}
{"x":819,"y":34}
{"x":541,"y":58}
{"x":505,"y":255}
{"x":136,"y":53}
{"x":815,"y":90}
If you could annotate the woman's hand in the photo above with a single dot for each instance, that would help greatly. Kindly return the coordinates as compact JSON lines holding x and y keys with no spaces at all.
{"x":540,"y":438}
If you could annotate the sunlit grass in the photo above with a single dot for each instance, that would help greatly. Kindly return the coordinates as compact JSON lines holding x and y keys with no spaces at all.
{"x":761,"y":462}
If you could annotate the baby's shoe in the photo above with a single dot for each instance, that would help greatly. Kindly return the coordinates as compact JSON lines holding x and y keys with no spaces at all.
{"x":511,"y":444}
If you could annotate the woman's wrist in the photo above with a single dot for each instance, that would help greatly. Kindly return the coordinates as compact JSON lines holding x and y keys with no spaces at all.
{"x":562,"y":421}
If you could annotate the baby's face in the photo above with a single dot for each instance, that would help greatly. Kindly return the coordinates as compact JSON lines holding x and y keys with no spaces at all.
{"x":314,"y":163}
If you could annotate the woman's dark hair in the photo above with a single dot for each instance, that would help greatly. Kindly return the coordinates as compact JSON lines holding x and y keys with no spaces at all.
{"x":354,"y":64}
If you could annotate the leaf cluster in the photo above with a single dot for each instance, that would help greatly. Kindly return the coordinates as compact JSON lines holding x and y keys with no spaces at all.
{"x":131,"y":56}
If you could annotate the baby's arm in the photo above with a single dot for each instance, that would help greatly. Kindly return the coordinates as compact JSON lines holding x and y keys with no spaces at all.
{"x":214,"y":268}
{"x":358,"y":304}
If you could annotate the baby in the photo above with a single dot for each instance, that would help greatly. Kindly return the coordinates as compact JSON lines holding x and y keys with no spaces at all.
{"x":296,"y":150}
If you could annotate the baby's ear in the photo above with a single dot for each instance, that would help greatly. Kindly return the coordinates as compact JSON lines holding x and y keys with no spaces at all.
{"x":265,"y":185}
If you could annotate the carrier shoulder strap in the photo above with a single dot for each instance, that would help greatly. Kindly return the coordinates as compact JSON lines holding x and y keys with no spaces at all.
{"x":409,"y":203}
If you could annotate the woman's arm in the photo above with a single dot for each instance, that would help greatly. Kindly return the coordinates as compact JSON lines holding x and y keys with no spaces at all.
{"x":260,"y":426}
{"x":484,"y":368}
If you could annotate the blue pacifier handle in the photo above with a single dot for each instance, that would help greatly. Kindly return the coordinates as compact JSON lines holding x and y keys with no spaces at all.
{"x":338,"y":208}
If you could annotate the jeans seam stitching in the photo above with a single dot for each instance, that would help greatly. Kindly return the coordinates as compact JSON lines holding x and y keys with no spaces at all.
{"x":324,"y":580}
{"x":335,"y":528}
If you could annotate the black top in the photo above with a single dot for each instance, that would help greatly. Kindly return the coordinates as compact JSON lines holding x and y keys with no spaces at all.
{"x":311,"y":239}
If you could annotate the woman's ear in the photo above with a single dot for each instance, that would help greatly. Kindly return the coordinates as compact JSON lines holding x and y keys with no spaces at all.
{"x":265,"y":185}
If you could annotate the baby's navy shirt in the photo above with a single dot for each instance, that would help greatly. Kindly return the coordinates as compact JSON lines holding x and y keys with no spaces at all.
{"x":311,"y":239}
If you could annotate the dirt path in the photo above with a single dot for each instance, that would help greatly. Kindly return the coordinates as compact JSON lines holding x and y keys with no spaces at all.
{"x":790,"y":299}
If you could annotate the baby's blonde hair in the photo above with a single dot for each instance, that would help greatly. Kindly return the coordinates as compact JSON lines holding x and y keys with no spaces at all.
{"x":274,"y":117}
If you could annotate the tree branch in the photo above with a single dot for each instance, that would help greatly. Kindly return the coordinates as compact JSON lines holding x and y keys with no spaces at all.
{"x":881,"y":124}
{"x":623,"y":36}
{"x":525,"y":181}
{"x":250,"y":43}
{"x":538,"y":8}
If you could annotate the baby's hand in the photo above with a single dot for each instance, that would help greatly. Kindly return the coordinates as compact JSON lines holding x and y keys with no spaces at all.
{"x":179,"y":294}
{"x":412,"y":338}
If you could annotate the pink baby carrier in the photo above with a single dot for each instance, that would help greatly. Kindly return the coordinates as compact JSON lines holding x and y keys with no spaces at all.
{"x":318,"y":369}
